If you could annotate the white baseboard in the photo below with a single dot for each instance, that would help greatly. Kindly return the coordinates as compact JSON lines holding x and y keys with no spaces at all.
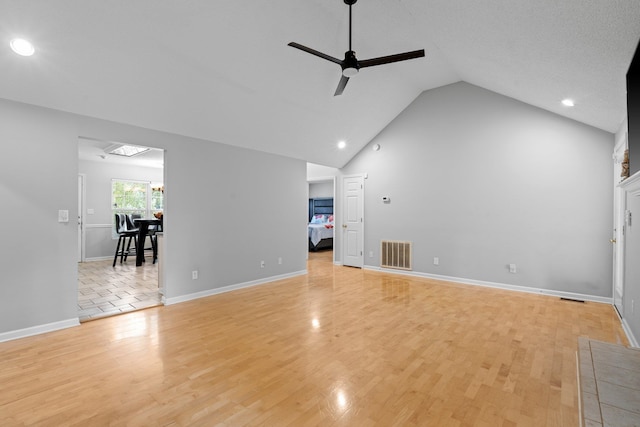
{"x":627,"y":330}
{"x":530,"y":290}
{"x":98,"y":258}
{"x":215,"y":291}
{"x":39,"y":329}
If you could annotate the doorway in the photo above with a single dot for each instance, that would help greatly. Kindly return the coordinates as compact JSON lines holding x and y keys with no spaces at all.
{"x":105,"y":289}
{"x":322,"y":189}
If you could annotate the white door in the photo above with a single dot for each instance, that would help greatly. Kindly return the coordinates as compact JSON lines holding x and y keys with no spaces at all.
{"x":353,"y":221}
{"x":617,"y":239}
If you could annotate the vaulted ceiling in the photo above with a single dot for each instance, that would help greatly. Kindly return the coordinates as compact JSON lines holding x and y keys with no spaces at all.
{"x":222,"y":71}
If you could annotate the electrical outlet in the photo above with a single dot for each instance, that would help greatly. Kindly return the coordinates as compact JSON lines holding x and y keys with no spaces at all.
{"x":261,"y":264}
{"x":436,"y":260}
{"x":370,"y":254}
{"x":194,"y":274}
{"x":279,"y":260}
{"x":512,"y":268}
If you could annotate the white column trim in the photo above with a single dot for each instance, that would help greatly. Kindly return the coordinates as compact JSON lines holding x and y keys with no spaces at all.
{"x":632,"y":184}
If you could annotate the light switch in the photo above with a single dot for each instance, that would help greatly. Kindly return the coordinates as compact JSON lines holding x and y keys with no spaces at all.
{"x":63,"y":216}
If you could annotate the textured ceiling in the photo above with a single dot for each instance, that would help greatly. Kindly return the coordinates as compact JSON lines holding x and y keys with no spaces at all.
{"x":222,"y":71}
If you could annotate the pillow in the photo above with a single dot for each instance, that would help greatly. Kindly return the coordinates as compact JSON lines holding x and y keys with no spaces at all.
{"x":317,"y":219}
{"x":330,"y":219}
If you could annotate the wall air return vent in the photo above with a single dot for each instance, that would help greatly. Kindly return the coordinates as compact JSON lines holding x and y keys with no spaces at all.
{"x":395,"y":254}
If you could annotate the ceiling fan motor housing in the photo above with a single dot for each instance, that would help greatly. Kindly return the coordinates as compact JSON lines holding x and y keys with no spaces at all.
{"x":350,"y":66}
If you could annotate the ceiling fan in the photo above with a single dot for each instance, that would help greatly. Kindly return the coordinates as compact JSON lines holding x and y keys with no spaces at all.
{"x":350,"y":64}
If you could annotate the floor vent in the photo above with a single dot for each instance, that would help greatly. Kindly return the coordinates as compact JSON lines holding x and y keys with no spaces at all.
{"x":395,"y":254}
{"x":571,"y":299}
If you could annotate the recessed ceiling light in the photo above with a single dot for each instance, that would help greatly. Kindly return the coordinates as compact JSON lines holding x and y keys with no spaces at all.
{"x":342,"y":144}
{"x":568,"y":102}
{"x":126,"y":150}
{"x":22,"y":47}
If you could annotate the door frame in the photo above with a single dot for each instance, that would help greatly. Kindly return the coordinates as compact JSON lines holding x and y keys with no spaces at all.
{"x":82,"y":194}
{"x":618,"y":235}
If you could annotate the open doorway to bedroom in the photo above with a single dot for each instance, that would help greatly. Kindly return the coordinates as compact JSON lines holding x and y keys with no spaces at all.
{"x":321,"y":215}
{"x":114,"y":182}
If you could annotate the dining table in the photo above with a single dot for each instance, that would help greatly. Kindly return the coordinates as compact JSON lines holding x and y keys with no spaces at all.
{"x":143,"y":230}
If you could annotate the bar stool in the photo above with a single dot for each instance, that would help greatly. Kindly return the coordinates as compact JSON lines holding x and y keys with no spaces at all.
{"x":124,"y":232}
{"x":151,"y":232}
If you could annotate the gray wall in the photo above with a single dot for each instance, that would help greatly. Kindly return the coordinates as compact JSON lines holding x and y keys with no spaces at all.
{"x":320,"y":172}
{"x":99,"y":241}
{"x":38,"y":177}
{"x":481,"y":181}
{"x":236,"y":207}
{"x":227,"y":209}
{"x":320,"y":189}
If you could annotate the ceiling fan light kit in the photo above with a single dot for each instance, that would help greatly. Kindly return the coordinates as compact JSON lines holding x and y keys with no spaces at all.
{"x":350,"y":65}
{"x":350,"y":72}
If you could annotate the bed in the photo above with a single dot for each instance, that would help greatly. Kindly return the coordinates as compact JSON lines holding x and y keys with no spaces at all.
{"x":321,"y":224}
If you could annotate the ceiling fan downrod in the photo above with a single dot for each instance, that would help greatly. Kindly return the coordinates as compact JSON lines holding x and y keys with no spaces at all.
{"x":350,"y":3}
{"x":350,"y":65}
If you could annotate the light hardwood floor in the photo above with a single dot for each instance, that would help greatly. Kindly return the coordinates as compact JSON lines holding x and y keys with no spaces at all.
{"x":338,"y":347}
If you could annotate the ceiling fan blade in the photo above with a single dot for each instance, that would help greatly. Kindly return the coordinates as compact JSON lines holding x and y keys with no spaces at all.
{"x":392,"y":58}
{"x":315,"y":52}
{"x":341,"y":85}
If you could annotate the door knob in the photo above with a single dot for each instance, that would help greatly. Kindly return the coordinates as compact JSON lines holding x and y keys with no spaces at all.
{"x":612,"y":240}
{"x":344,"y":225}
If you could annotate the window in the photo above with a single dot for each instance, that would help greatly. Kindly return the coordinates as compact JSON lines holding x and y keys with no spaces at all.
{"x":157,"y":199}
{"x":135,"y":197}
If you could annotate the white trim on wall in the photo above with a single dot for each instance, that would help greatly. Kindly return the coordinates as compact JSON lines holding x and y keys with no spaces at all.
{"x":504,"y":286}
{"x":99,"y":258}
{"x":627,"y":330}
{"x":632,"y":184}
{"x":82,"y":196}
{"x":39,"y":329}
{"x":622,"y":138}
{"x":215,"y":291}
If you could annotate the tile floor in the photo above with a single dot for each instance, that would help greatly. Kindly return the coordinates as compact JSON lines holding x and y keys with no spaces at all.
{"x":609,"y":383}
{"x":104,"y":290}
